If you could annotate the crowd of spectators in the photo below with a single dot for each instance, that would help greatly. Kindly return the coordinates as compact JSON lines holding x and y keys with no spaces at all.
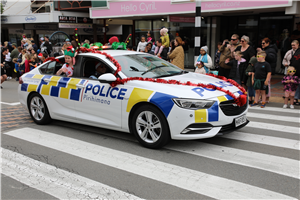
{"x":235,"y":59}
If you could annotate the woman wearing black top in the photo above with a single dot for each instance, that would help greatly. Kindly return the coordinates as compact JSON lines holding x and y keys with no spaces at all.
{"x":247,"y":50}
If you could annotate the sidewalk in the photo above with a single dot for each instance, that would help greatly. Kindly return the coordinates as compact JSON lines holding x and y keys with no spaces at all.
{"x":277,"y":89}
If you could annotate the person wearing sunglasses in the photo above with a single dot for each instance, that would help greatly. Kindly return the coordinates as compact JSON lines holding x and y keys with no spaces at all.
{"x":247,"y":50}
{"x":290,"y":82}
{"x":271,"y":51}
{"x":234,"y":43}
{"x":292,"y":58}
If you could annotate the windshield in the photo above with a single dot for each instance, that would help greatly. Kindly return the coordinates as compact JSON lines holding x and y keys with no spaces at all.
{"x":146,"y":66}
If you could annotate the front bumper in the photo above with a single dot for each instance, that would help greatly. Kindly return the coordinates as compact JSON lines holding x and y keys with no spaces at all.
{"x":185,"y":124}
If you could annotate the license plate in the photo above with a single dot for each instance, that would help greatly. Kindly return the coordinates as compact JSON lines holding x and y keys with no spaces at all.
{"x":240,"y":120}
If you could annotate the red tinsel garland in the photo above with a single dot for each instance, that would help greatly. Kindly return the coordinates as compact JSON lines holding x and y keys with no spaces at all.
{"x":52,"y":59}
{"x":240,"y":101}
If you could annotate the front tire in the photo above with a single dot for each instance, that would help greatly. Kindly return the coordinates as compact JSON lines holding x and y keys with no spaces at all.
{"x":38,"y":109}
{"x":150,"y":127}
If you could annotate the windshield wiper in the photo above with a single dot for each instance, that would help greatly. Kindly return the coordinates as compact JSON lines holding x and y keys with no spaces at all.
{"x":166,"y":75}
{"x":149,"y":70}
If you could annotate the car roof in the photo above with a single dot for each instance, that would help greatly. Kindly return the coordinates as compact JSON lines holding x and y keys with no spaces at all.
{"x":115,"y":52}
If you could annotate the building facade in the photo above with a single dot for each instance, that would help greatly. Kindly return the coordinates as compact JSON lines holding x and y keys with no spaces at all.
{"x":220,"y":19}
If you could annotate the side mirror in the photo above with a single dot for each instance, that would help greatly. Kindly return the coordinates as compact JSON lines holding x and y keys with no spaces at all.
{"x":107,"y":78}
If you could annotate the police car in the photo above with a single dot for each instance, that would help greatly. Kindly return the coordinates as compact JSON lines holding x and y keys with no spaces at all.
{"x":155,"y":112}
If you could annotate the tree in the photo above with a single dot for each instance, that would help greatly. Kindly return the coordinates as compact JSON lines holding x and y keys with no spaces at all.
{"x":1,"y":8}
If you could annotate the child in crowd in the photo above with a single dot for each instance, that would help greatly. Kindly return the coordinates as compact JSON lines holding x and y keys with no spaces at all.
{"x":290,"y":83}
{"x":249,"y":72}
{"x":237,"y":71}
{"x":203,"y":62}
{"x":142,"y":44}
{"x":150,"y":37}
{"x":260,"y":78}
{"x":21,"y":65}
{"x":164,"y":40}
{"x":27,"y":62}
{"x":67,"y":68}
{"x":32,"y":62}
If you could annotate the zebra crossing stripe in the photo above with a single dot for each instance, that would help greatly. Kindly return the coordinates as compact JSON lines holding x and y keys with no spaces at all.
{"x":191,"y":180}
{"x":276,"y":109}
{"x":262,"y":139}
{"x":274,"y":127}
{"x":11,"y":104}
{"x":274,"y":164}
{"x":273,"y":117}
{"x":54,"y":181}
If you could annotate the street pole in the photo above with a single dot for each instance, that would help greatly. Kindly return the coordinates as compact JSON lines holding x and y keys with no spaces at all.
{"x":197,"y":29}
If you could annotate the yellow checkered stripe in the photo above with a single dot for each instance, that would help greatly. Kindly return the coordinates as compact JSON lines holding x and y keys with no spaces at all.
{"x":61,"y":87}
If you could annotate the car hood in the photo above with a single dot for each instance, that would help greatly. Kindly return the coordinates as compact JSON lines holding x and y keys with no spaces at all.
{"x":184,"y":91}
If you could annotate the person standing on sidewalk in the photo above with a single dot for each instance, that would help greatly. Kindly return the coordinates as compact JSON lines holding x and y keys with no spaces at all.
{"x":271,"y":58}
{"x":224,"y":69}
{"x":261,"y":78}
{"x":290,"y":82}
{"x":295,"y":62}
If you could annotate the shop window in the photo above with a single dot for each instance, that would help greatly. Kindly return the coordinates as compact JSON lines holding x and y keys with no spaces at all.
{"x":141,"y":28}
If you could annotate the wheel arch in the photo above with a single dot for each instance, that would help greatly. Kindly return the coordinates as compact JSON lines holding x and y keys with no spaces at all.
{"x":29,"y":96}
{"x":35,"y":92}
{"x":136,"y":106}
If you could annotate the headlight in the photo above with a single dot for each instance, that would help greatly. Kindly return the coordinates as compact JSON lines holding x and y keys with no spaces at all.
{"x":193,"y":104}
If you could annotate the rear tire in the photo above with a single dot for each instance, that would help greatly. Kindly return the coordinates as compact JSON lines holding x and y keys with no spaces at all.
{"x":150,"y":127}
{"x":38,"y":109}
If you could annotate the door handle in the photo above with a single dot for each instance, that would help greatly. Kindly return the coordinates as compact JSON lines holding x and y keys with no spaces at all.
{"x":80,"y":86}
{"x":47,"y":80}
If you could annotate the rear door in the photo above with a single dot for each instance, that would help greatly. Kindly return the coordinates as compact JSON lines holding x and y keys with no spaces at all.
{"x":59,"y":92}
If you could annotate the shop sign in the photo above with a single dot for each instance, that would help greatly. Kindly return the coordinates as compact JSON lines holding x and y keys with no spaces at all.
{"x":84,"y":20}
{"x":100,"y":29}
{"x":147,"y":8}
{"x":41,"y":26}
{"x":4,"y":19}
{"x":71,"y":25}
{"x":182,"y":19}
{"x":66,"y":19}
{"x":30,"y":19}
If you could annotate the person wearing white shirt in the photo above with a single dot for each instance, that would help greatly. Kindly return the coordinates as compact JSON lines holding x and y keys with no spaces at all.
{"x":8,"y":61}
{"x":142,"y":44}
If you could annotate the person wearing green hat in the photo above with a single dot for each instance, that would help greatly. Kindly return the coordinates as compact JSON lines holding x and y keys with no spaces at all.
{"x":249,"y":71}
{"x":68,"y":68}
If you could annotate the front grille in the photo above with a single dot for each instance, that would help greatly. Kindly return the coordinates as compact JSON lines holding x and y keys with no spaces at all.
{"x":229,"y":109}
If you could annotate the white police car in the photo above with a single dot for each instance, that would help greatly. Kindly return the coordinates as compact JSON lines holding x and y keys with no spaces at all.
{"x":154,"y":112}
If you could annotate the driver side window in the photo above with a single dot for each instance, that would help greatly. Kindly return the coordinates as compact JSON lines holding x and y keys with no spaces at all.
{"x":93,"y":68}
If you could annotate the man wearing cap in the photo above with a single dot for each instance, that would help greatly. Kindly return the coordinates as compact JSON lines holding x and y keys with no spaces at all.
{"x":100,"y":69}
{"x":296,"y":33}
{"x":15,"y":52}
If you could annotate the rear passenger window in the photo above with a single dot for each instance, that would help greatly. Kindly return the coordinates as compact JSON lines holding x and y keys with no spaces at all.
{"x":51,"y":68}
